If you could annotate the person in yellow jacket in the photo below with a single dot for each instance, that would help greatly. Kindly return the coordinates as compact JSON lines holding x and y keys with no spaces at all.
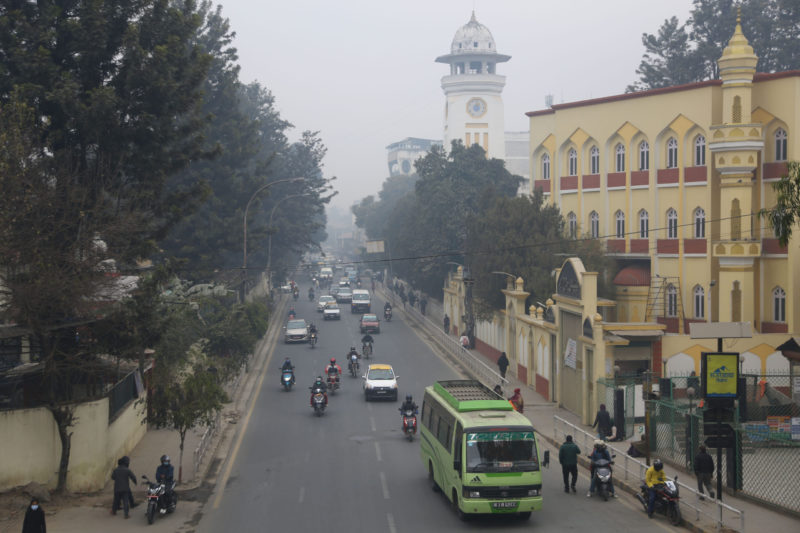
{"x":654,"y":476}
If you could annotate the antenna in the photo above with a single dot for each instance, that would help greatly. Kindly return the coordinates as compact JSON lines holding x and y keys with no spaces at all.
{"x":548,"y":100}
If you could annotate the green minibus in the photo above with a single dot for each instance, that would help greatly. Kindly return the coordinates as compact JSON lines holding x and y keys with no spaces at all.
{"x":479,"y":451}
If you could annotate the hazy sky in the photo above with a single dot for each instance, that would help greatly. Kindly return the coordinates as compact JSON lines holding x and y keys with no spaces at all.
{"x":362,"y":72}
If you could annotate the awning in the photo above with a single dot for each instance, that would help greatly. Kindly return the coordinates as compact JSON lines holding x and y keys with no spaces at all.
{"x":638,"y":332}
{"x":791,"y":349}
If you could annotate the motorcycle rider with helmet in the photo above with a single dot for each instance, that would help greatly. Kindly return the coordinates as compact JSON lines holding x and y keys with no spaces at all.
{"x":287,"y":366}
{"x":165,"y":473}
{"x":319,"y":385}
{"x":351,"y":353}
{"x":655,"y":476}
{"x":367,"y":340}
{"x":333,"y":371}
{"x":600,"y":451}
{"x":409,"y":405}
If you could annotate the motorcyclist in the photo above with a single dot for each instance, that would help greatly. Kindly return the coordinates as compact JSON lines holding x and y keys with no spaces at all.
{"x":311,"y":293}
{"x":165,"y":473}
{"x":288,"y":366}
{"x":319,"y":386}
{"x":292,"y":312}
{"x":333,"y":371}
{"x":352,"y":352}
{"x":367,"y":340}
{"x":655,"y":476}
{"x":600,"y":451}
{"x":409,"y":405}
{"x":387,"y":307}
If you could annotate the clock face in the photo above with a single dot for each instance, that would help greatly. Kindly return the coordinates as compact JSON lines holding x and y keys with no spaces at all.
{"x":476,"y":107}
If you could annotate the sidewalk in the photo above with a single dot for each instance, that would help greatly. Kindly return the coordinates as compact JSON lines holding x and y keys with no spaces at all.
{"x":542,"y":413}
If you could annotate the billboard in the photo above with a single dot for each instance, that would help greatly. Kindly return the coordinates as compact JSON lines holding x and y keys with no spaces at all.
{"x":375,"y":247}
{"x":720,"y":374}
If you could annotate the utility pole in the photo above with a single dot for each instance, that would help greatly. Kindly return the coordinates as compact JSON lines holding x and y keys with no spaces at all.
{"x":469,"y":281}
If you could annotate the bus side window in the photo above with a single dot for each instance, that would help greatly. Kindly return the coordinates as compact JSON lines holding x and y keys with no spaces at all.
{"x":426,"y":414}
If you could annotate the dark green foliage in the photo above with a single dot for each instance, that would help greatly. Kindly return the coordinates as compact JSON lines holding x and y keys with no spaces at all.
{"x":684,"y":53}
{"x":784,"y":215}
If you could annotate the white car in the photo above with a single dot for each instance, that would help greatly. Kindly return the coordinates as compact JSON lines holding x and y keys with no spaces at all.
{"x":380,"y":381}
{"x":324,"y":299}
{"x":296,"y":330}
{"x":332,"y":311}
{"x":344,"y":296}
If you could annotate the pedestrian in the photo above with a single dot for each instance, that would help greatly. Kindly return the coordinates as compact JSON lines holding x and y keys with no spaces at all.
{"x":517,"y":401}
{"x":704,"y":470}
{"x":34,"y":519}
{"x":498,"y":390}
{"x":603,"y":422}
{"x":122,"y":489}
{"x":464,"y":340}
{"x":446,"y":324}
{"x":403,"y":298}
{"x":423,"y":303}
{"x":568,"y":459}
{"x":412,"y":298}
{"x":502,"y":364}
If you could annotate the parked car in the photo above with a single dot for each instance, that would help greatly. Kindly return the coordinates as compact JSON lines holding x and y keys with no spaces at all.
{"x":369,"y":324}
{"x":380,"y":381}
{"x":296,"y":330}
{"x":332,"y":311}
{"x":324,"y":299}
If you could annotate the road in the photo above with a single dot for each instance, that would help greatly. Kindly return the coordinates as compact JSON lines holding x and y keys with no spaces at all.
{"x":351,"y":470}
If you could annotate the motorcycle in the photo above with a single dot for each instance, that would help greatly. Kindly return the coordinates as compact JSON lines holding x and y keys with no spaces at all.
{"x":312,"y":340}
{"x":333,"y":383}
{"x":602,"y":476}
{"x":157,"y":499}
{"x":353,"y":366}
{"x":667,"y":499}
{"x":295,"y":295}
{"x":387,"y":315}
{"x":366,"y":349}
{"x":409,"y":424}
{"x":287,"y":379}
{"x":318,"y":402}
{"x":310,"y":296}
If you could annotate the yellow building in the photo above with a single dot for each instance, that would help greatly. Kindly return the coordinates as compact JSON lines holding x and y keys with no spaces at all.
{"x":672,"y":179}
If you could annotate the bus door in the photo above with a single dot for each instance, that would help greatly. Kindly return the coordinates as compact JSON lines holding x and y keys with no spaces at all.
{"x":458,"y":446}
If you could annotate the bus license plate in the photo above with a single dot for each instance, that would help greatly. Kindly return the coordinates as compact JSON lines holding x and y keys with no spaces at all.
{"x":504,"y":505}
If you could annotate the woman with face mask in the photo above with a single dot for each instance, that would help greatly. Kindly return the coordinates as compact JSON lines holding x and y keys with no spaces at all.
{"x":34,"y":519}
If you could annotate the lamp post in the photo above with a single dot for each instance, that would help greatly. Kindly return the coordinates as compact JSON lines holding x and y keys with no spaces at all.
{"x":246,"y":209}
{"x":509,"y":276}
{"x":269,"y":245}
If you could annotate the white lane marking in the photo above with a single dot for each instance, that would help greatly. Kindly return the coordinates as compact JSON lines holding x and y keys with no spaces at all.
{"x":372,"y":423}
{"x":378,"y":451}
{"x":384,"y":486}
{"x":390,"y":519}
{"x":302,"y":495}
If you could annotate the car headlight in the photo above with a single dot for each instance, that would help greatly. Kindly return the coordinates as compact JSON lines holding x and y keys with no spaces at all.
{"x":533,"y":492}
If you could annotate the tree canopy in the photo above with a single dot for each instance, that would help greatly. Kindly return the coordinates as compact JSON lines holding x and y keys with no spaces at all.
{"x":684,"y":53}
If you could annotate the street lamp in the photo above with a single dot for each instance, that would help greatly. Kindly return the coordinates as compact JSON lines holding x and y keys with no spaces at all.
{"x":269,"y":246}
{"x":246,"y":209}
{"x":509,"y":276}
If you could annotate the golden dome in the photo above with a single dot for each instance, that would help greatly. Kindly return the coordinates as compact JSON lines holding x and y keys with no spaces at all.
{"x":738,"y":45}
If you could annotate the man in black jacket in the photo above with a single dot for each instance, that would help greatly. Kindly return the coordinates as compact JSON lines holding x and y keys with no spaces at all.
{"x":122,"y":489}
{"x":502,"y":364}
{"x":704,"y":470}
{"x":603,"y":423}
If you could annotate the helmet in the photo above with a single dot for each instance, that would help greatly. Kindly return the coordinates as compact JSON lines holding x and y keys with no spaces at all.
{"x":333,"y":360}
{"x":319,"y":378}
{"x":408,"y":397}
{"x":658,"y":465}
{"x":600,"y":444}
{"x":165,"y":460}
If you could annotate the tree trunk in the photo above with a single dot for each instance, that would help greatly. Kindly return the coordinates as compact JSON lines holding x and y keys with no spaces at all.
{"x":180,"y":457}
{"x":64,"y":418}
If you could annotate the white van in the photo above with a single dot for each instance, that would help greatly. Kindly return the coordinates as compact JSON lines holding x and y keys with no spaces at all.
{"x":325,"y":273}
{"x":360,"y":302}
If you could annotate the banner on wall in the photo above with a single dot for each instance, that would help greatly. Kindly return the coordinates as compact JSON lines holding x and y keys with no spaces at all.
{"x":571,"y":354}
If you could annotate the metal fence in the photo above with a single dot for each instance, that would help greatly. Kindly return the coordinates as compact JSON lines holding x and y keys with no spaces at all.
{"x":123,"y":392}
{"x":764,"y":463}
{"x":632,"y":472}
{"x":620,"y":395}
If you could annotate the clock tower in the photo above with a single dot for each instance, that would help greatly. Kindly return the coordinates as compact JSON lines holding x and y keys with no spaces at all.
{"x":473,"y":109}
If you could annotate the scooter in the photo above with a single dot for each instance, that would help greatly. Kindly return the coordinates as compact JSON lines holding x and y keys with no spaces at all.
{"x":353,"y":365}
{"x":287,"y":379}
{"x":602,"y":476}
{"x":157,"y":499}
{"x":318,"y":401}
{"x":667,"y":500}
{"x":387,"y":315}
{"x":312,"y":340}
{"x":409,"y":424}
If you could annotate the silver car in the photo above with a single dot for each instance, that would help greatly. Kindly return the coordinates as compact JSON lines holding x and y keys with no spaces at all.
{"x":332,"y":312}
{"x":325,"y":298}
{"x":296,"y":330}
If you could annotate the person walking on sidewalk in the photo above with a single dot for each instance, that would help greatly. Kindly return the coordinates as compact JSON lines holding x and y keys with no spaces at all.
{"x":568,"y":459}
{"x":34,"y":519}
{"x":502,"y":364}
{"x":423,"y":304}
{"x":704,"y":470}
{"x":603,"y":423}
{"x":122,"y":490}
{"x":446,"y":324}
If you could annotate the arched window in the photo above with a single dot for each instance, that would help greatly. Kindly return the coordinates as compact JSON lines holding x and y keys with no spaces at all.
{"x":620,"y":218}
{"x":546,"y":167}
{"x":572,"y":223}
{"x":620,"y":157}
{"x":699,"y":223}
{"x":672,"y":224}
{"x":594,"y":223}
{"x":672,"y":300}
{"x":672,"y":153}
{"x":699,"y":302}
{"x":780,"y":145}
{"x":779,"y":305}
{"x":594,"y":160}
{"x":572,"y":157}
{"x":644,"y":224}
{"x":736,"y":220}
{"x":644,"y":155}
{"x":699,"y":151}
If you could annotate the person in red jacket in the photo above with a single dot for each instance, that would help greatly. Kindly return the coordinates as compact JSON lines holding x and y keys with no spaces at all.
{"x":517,"y":401}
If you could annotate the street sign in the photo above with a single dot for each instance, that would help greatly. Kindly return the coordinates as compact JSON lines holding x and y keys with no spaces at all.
{"x":718,"y":430}
{"x":720,"y":442}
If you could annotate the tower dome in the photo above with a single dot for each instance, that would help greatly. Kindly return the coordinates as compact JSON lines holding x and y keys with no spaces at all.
{"x":473,"y":37}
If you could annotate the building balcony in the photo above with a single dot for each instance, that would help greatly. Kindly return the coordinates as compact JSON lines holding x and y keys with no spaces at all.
{"x":640,"y":177}
{"x":667,"y":246}
{"x":739,"y":248}
{"x":616,"y":179}
{"x":616,"y":246}
{"x":775,"y":170}
{"x":695,"y":174}
{"x":569,"y":183}
{"x":773,"y":247}
{"x":590,"y":181}
{"x":542,"y":185}
{"x":666,"y":176}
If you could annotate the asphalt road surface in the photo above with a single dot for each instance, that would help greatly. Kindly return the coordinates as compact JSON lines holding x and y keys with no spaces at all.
{"x":352,"y":469}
